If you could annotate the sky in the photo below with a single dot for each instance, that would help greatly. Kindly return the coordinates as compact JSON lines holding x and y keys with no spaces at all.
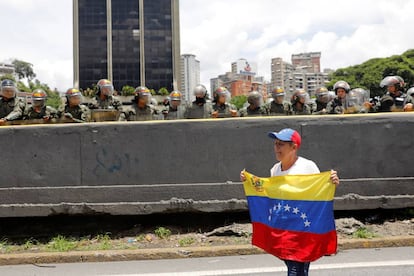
{"x":219,"y":32}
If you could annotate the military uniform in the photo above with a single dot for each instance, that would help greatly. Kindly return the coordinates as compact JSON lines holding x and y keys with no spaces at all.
{"x":391,"y":102}
{"x":173,"y":114}
{"x":224,"y":110}
{"x":11,"y":109}
{"x":277,"y":109}
{"x":110,"y":102}
{"x":258,"y":111}
{"x":197,"y":111}
{"x":79,"y":113}
{"x":306,"y":110}
{"x":321,"y":108}
{"x":134,"y":113}
{"x":336,"y":106}
{"x":46,"y":111}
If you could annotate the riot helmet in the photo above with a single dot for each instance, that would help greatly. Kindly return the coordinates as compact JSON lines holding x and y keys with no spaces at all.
{"x":341,"y":85}
{"x":39,"y":97}
{"x":8,"y":89}
{"x":105,"y":87}
{"x":200,"y":91}
{"x":322,"y":95}
{"x":221,"y":93}
{"x":255,"y":98}
{"x":175,"y":99}
{"x":73,"y":96}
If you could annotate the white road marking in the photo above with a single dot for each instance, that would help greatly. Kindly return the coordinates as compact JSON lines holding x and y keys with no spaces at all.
{"x":249,"y":271}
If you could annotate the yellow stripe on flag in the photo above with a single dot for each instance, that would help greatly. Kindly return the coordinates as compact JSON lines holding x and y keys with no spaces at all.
{"x":311,"y":187}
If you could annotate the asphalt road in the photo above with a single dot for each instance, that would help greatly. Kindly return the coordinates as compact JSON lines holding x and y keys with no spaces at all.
{"x":364,"y":262}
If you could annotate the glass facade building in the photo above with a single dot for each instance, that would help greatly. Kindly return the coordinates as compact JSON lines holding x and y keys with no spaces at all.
{"x":131,"y":42}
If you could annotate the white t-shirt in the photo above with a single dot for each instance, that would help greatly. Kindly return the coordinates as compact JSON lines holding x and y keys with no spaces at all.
{"x":301,"y":166}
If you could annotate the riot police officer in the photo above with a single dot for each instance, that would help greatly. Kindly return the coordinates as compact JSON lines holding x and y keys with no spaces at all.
{"x":200,"y":108}
{"x":255,"y":106}
{"x":338,"y":104}
{"x":278,"y":106}
{"x":38,"y":109}
{"x":73,"y":110}
{"x":141,"y":108}
{"x":174,"y":110}
{"x":221,"y":107}
{"x":394,"y":99}
{"x":104,"y":98}
{"x":11,"y":107}
{"x":322,"y":99}
{"x":301,"y":103}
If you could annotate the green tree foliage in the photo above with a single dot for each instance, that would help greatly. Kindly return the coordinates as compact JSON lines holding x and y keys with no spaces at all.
{"x":24,"y":70}
{"x":369,"y":74}
{"x":7,"y":77}
{"x":163,"y":91}
{"x":127,"y":90}
{"x":239,"y":101}
{"x":54,"y":99}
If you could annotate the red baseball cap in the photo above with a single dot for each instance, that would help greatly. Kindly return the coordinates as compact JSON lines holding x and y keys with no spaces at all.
{"x":287,"y":135}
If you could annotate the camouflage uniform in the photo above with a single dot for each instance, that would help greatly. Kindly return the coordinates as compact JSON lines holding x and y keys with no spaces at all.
{"x":46,"y":111}
{"x":259,"y":111}
{"x":197,"y":111}
{"x":173,"y":114}
{"x":321,"y":108}
{"x":110,"y":102}
{"x":306,"y":109}
{"x":390,"y":102}
{"x":277,"y":109}
{"x":134,"y":113}
{"x":336,"y":106}
{"x":11,"y":109}
{"x":224,"y":110}
{"x":79,"y":114}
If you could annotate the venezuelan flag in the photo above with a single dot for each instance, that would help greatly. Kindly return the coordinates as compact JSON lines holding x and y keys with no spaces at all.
{"x":292,"y":215}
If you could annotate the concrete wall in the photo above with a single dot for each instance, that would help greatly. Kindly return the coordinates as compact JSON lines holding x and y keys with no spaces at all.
{"x":149,"y":167}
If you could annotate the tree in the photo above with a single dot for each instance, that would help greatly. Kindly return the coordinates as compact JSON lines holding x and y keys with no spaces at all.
{"x":7,"y":77}
{"x":54,"y":99}
{"x":163,"y":91}
{"x":369,"y":74}
{"x":24,"y":70}
{"x":239,"y":101}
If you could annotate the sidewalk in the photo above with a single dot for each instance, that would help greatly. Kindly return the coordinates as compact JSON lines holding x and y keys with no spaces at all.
{"x":179,"y":252}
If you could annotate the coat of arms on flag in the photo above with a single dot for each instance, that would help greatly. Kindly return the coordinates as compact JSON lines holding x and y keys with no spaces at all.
{"x":292,"y":215}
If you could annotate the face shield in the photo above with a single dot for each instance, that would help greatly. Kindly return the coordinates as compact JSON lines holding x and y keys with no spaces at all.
{"x":75,"y":99}
{"x":278,"y":97}
{"x":8,"y":92}
{"x":107,"y":90}
{"x":38,"y":102}
{"x":255,"y":99}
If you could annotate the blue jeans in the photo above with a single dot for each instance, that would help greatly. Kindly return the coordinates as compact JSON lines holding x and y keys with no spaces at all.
{"x":297,"y":268}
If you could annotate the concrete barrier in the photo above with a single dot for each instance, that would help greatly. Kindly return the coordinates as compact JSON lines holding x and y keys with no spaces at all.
{"x":193,"y":165}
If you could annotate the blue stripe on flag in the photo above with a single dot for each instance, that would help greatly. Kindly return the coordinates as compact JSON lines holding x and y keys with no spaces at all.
{"x":294,"y":215}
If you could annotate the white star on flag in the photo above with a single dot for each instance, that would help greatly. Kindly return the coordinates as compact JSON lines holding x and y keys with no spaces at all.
{"x":279,"y":206}
{"x":287,"y":208}
{"x":307,"y":223}
{"x":296,"y":210}
{"x":303,"y":216}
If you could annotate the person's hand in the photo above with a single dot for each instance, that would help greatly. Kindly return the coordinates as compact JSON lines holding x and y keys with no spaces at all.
{"x":46,"y":118}
{"x":368,"y":105}
{"x":233,"y":113}
{"x":242,"y":176}
{"x":409,"y":107}
{"x":2,"y":121}
{"x":214,"y":114}
{"x":334,"y":177}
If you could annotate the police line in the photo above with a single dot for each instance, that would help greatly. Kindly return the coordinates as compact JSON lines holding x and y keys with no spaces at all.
{"x":193,"y":165}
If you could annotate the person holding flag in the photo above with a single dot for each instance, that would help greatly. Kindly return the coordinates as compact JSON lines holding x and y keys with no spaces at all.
{"x":292,"y":211}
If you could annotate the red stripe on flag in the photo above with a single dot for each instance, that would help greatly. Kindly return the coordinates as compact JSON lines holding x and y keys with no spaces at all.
{"x":293,"y":245}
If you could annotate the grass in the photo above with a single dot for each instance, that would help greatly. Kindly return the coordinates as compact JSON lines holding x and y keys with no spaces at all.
{"x":162,"y":233}
{"x":187,"y":241}
{"x":62,"y":244}
{"x":364,"y":233}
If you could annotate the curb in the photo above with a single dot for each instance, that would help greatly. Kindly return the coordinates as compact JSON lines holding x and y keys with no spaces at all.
{"x":182,"y":252}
